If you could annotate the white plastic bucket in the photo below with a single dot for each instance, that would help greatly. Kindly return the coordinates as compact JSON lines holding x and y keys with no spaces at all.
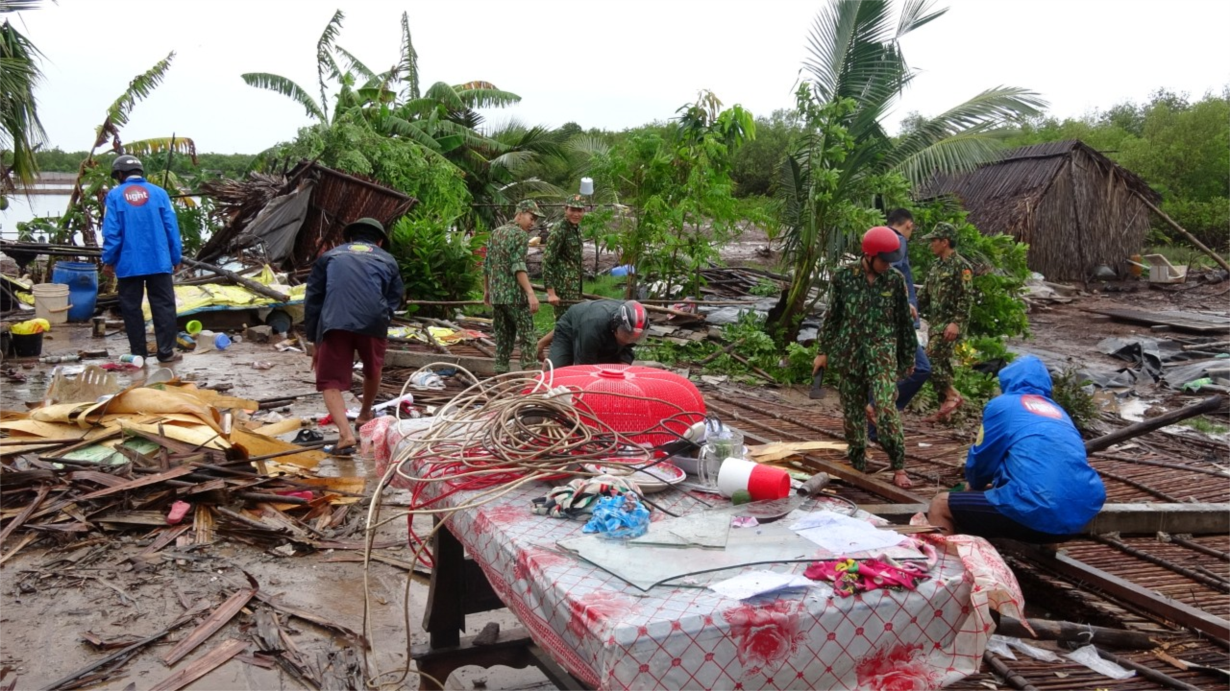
{"x":51,"y":302}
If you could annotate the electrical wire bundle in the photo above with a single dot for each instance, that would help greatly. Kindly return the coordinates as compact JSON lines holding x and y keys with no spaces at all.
{"x":493,"y":439}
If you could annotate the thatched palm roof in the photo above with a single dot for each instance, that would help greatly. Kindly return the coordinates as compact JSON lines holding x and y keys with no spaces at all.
{"x":1073,"y":206}
{"x":996,"y":194}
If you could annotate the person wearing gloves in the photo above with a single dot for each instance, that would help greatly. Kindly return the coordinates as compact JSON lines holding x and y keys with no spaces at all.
{"x":1028,"y":476}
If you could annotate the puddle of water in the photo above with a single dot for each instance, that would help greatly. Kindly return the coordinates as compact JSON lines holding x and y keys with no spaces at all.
{"x":1133,"y":409}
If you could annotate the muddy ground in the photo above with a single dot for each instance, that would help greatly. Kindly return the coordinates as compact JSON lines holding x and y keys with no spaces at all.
{"x":50,"y":596}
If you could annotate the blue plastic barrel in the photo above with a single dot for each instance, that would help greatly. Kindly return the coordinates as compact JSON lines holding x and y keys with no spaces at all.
{"x":82,"y":281}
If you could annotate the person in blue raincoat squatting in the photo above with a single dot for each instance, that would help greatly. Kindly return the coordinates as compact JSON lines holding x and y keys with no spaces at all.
{"x":349,"y":302}
{"x":142,"y":248}
{"x":1028,"y":475}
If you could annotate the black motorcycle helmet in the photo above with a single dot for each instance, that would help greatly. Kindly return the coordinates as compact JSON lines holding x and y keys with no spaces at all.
{"x":125,"y":165}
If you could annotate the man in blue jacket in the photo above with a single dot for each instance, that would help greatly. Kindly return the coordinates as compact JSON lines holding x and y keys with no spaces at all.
{"x":142,"y":248}
{"x":1028,"y":475}
{"x":351,"y":295}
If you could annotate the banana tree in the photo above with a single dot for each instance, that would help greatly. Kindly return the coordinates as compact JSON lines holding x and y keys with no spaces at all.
{"x":82,"y":216}
{"x":829,"y":185}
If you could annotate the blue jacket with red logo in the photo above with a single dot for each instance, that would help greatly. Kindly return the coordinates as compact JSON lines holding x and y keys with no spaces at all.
{"x":140,"y":232}
{"x":1031,"y":455}
{"x":353,"y":287}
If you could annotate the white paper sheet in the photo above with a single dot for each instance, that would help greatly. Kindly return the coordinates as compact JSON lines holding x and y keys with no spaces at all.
{"x":754,"y":583}
{"x":842,"y":534}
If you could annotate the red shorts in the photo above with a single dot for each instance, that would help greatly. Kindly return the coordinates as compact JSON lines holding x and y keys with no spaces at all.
{"x":335,"y":358}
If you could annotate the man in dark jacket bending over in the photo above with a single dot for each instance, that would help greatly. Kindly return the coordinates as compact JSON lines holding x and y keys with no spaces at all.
{"x":351,"y":295}
{"x":596,"y":332}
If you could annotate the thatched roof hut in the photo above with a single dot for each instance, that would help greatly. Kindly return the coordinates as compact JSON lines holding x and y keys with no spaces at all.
{"x":1073,"y":206}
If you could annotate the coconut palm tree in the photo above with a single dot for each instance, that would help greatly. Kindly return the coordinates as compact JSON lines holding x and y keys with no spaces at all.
{"x":20,"y":130}
{"x":855,"y":73}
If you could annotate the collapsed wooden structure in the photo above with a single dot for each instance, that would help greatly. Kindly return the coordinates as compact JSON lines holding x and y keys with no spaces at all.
{"x":1074,"y":207}
{"x":293,"y":218}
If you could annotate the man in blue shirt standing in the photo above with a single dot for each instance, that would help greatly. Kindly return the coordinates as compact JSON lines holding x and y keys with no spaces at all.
{"x":902,"y":223}
{"x":142,"y":249}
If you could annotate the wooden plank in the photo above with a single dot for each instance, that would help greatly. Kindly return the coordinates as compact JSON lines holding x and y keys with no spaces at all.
{"x":43,"y":491}
{"x":1184,"y":321}
{"x":1161,"y":605}
{"x":210,"y":626}
{"x":404,"y":358}
{"x":199,"y":668}
{"x":134,"y":484}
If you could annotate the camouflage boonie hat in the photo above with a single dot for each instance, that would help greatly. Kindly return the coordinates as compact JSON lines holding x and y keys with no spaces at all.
{"x":531,"y":206}
{"x":576,"y":201}
{"x":366,"y":223}
{"x":942,"y":231}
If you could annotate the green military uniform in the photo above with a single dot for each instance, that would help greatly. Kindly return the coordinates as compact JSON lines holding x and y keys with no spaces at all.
{"x":945,"y":299}
{"x":869,"y":339}
{"x":511,"y":320}
{"x":561,"y":260}
{"x":586,"y":336}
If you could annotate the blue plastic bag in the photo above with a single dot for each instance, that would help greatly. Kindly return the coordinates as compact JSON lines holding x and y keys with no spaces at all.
{"x":619,"y":518}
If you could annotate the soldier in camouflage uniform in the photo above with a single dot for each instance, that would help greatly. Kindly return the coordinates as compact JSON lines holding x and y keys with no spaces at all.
{"x":945,"y":300}
{"x":868,"y":340}
{"x":506,"y":287}
{"x":561,"y":258}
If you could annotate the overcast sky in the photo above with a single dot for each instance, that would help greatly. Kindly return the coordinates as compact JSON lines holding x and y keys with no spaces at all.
{"x":602,"y":63}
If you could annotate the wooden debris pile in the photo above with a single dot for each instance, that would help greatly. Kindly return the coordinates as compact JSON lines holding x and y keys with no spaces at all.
{"x":165,"y":461}
{"x":729,"y":282}
{"x":140,"y":487}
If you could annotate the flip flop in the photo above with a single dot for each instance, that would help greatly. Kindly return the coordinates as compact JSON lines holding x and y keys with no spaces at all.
{"x":344,"y":452}
{"x":308,"y":436}
{"x":950,"y":406}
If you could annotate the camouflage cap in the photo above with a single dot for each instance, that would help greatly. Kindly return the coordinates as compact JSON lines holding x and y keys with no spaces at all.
{"x":531,"y":206}
{"x":367,"y":224}
{"x":576,"y":201}
{"x":942,"y":231}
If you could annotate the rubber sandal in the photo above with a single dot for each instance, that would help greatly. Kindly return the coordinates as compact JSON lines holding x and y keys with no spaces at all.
{"x":308,"y":436}
{"x":950,"y":406}
{"x":344,"y":452}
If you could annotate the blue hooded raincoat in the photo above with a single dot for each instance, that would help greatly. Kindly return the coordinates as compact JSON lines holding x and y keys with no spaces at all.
{"x":1031,"y":455}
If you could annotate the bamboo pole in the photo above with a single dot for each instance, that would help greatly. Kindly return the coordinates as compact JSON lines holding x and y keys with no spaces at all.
{"x":240,"y":280}
{"x":1182,"y":231}
{"x":1208,"y":405}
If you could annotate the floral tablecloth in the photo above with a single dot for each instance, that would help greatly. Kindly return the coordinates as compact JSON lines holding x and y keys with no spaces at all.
{"x":611,"y":635}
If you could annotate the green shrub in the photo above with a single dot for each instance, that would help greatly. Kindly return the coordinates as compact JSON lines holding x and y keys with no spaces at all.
{"x":436,"y":262}
{"x":1068,"y":390}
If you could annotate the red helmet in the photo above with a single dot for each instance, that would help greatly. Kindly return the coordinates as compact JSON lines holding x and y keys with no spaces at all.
{"x":883,"y":242}
{"x":632,"y":318}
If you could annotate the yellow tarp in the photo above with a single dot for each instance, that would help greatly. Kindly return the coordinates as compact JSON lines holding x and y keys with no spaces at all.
{"x":190,"y":298}
{"x":140,"y":401}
